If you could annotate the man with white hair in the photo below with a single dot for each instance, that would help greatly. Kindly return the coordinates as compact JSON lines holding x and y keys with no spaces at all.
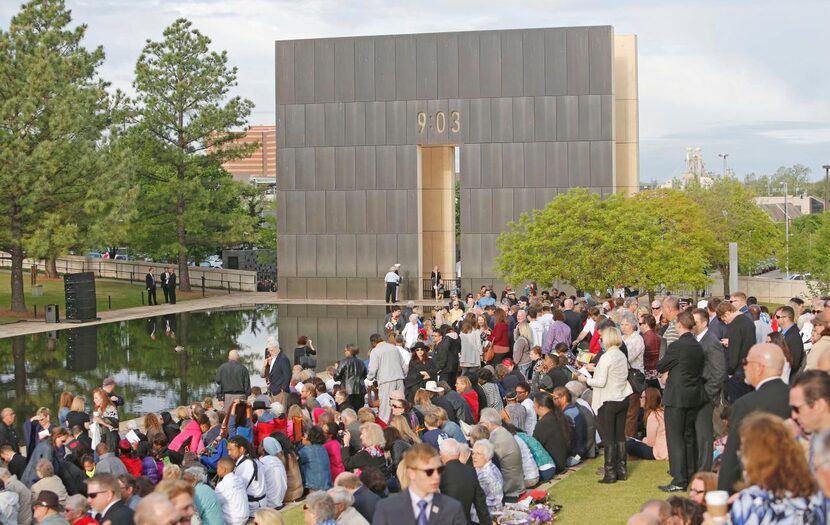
{"x":387,"y":368}
{"x":392,"y":280}
{"x":24,"y":495}
{"x":459,"y":481}
{"x":343,"y":510}
{"x":77,"y":511}
{"x":277,"y":370}
{"x":233,"y":380}
{"x":509,"y":453}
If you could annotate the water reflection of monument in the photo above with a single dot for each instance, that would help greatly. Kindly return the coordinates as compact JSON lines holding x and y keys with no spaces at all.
{"x":331,"y":328}
{"x":82,"y":349}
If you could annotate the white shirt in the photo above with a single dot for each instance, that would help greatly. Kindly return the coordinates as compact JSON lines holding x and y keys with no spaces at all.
{"x":406,"y":355}
{"x":699,"y":336}
{"x":392,"y":277}
{"x":530,"y":420}
{"x":410,"y":335}
{"x":530,"y":469}
{"x":416,"y":509}
{"x":276,"y":480}
{"x":230,"y":492}
{"x":326,"y":401}
{"x":538,"y":332}
{"x":245,"y":471}
{"x":636,"y":350}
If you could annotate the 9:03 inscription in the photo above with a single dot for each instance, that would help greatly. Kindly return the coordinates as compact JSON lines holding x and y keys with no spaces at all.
{"x":439,"y":121}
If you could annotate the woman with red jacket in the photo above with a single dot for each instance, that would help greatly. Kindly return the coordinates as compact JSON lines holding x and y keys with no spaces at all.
{"x":464,"y":387}
{"x":499,"y":337}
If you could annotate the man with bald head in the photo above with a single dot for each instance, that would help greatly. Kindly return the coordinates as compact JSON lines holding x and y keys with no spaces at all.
{"x":763,"y":366}
{"x":643,"y":518}
{"x":572,"y":318}
{"x":233,"y":380}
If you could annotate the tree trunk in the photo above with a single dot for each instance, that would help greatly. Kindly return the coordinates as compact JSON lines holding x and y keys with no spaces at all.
{"x":724,"y":272}
{"x":184,"y":275}
{"x":18,"y":295}
{"x":51,"y":267}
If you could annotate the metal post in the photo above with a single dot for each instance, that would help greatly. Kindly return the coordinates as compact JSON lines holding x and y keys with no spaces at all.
{"x":826,"y":177}
{"x":723,"y":156}
{"x":35,"y":310}
{"x":787,"y":228}
{"x":203,"y":285}
{"x":109,"y":301}
{"x":142,"y":297}
{"x":229,"y":287}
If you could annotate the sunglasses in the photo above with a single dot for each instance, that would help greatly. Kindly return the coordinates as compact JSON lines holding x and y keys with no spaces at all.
{"x":796,"y":409}
{"x":430,"y":471}
{"x":781,"y":317}
{"x":93,"y":495}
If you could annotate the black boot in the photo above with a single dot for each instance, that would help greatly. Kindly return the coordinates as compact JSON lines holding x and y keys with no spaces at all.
{"x":610,"y":464}
{"x":622,"y":462}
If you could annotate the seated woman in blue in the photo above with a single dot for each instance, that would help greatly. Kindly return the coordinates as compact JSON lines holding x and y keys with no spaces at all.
{"x":314,"y":460}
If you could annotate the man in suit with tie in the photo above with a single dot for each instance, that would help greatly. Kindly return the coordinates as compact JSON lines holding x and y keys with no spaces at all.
{"x":164,"y":276}
{"x":171,"y":284}
{"x":104,"y":497}
{"x":150,"y":282}
{"x":740,"y":338}
{"x":277,"y":369}
{"x":682,"y":398}
{"x":786,"y":324}
{"x":714,"y":373}
{"x":764,"y":364}
{"x":420,"y":502}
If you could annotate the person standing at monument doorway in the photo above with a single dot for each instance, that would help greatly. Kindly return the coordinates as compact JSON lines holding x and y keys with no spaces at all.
{"x":392,"y":279}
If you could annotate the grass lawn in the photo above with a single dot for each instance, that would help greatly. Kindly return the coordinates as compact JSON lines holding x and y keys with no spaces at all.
{"x":586,"y":502}
{"x":123,"y":294}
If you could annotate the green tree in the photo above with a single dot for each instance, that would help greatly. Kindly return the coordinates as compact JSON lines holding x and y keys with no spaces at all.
{"x":183,"y":132}
{"x":53,"y":107}
{"x":732,"y":216}
{"x":810,"y":234}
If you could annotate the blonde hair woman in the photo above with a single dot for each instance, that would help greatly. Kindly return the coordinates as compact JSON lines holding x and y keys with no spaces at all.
{"x":267,"y":517}
{"x":402,"y":425}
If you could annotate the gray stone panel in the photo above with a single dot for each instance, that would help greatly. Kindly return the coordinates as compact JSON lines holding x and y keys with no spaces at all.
{"x":306,"y":255}
{"x":335,"y":211}
{"x":479,"y":127}
{"x":396,"y":122}
{"x":335,"y":289}
{"x":544,"y":196}
{"x":285,"y":72}
{"x":567,"y":118}
{"x":304,"y":178}
{"x":287,"y":250}
{"x":534,"y":164}
{"x":405,"y":66}
{"x":438,"y":130}
{"x":502,"y":208}
{"x":488,"y":254}
{"x":387,"y":253}
{"x":285,"y":167}
{"x":281,"y":215}
{"x":523,"y":119}
{"x":324,"y":168}
{"x":426,"y":80}
{"x":524,"y":201}
{"x":344,"y":70}
{"x":335,"y":124}
{"x":316,"y":290}
{"x":512,"y":68}
{"x":607,"y":117}
{"x":324,"y":70}
{"x":579,"y":164}
{"x":376,"y":211}
{"x":466,"y":216}
{"x":602,"y":164}
{"x":366,"y":259}
{"x":601,"y":65}
{"x":356,"y":211}
{"x":544,"y":118}
{"x":502,"y":119}
{"x":490,"y":63}
{"x":578,"y":61}
{"x":406,"y":167}
{"x":280,"y":127}
{"x":408,"y":254}
{"x":412,"y":210}
{"x":556,"y":62}
{"x":295,"y":126}
{"x":315,"y":220}
{"x":326,"y":255}
{"x":533,"y":63}
{"x":481,"y":211}
{"x":513,"y":165}
{"x":375,"y":123}
{"x":385,"y":68}
{"x":470,"y":254}
{"x":556,"y":164}
{"x":470,"y":166}
{"x":386,"y":167}
{"x":304,"y":71}
{"x":396,"y":211}
{"x":364,"y":69}
{"x":346,"y":256}
{"x":414,"y":134}
{"x":344,"y":168}
{"x":355,"y":123}
{"x":365,"y":168}
{"x":295,"y":288}
{"x":315,"y":124}
{"x":447,"y":65}
{"x":469,"y":67}
{"x":347,"y":328}
{"x":590,"y":117}
{"x":491,"y":166}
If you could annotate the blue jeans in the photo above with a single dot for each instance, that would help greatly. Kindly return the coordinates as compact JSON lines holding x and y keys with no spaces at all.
{"x":547,"y":475}
{"x":638,"y":449}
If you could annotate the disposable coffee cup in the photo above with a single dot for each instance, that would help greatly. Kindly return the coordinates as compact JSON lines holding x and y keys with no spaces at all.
{"x":717,"y":503}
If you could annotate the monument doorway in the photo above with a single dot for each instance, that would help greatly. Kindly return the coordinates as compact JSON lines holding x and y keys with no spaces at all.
{"x":436,"y":216}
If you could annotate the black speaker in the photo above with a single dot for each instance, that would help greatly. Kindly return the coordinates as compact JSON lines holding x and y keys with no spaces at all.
{"x":82,"y":349}
{"x":79,"y":290}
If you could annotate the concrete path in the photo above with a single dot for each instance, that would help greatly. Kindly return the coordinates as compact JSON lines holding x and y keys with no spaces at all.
{"x":244,"y":299}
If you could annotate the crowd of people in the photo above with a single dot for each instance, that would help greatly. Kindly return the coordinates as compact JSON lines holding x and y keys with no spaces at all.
{"x":464,"y":407}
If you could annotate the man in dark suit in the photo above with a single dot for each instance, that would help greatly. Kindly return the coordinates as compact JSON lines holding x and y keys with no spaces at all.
{"x":572,"y":318}
{"x":714,"y":373}
{"x":682,"y":399}
{"x":104,"y":497}
{"x":459,"y":481}
{"x":716,"y":326}
{"x":365,"y":500}
{"x":419,"y":502}
{"x":150,"y":282}
{"x":171,"y":284}
{"x":548,"y":431}
{"x":277,"y":369}
{"x":164,"y":288}
{"x":763,"y":365}
{"x":740,"y":338}
{"x":786,"y":324}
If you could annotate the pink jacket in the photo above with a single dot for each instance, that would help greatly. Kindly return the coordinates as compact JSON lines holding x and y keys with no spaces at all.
{"x":656,"y":435}
{"x":191,"y":430}
{"x":332,"y":447}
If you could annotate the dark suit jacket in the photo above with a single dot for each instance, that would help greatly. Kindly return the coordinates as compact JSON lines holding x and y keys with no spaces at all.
{"x":365,"y":502}
{"x":118,"y":514}
{"x":280,"y":375}
{"x":714,"y":366}
{"x":741,"y":335}
{"x":459,"y":481}
{"x":171,"y":282}
{"x":550,"y":435}
{"x":717,"y":327}
{"x":684,"y":362}
{"x":397,"y":510}
{"x":150,"y":281}
{"x":796,"y":346}
{"x":773,"y":397}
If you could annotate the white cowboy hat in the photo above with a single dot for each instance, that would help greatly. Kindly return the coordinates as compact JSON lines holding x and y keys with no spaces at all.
{"x":432,"y":386}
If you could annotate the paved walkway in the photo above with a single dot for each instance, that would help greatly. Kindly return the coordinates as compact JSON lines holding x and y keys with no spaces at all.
{"x":244,"y":299}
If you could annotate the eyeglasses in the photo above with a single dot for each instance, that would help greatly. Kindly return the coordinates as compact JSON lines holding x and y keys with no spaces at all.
{"x":781,"y":317}
{"x":93,"y":495}
{"x":695,"y":491}
{"x":430,"y":471}
{"x":655,"y":307}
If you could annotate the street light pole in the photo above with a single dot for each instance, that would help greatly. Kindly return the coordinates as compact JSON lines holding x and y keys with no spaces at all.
{"x":826,"y":177}
{"x":787,"y":229}
{"x":723,"y":156}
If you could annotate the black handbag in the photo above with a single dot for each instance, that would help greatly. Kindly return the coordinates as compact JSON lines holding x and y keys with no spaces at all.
{"x":636,"y":379}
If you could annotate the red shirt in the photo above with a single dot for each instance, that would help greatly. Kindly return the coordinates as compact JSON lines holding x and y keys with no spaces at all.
{"x":85,"y":520}
{"x":595,"y":347}
{"x":471,"y":398}
{"x":499,"y":335}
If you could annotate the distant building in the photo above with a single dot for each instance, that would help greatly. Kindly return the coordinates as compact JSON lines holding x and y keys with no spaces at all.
{"x":261,"y":165}
{"x":796,"y":205}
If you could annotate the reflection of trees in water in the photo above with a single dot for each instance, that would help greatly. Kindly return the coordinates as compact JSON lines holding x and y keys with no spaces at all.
{"x":145,"y":368}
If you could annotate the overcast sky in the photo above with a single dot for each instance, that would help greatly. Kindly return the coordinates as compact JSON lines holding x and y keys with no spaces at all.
{"x":748,"y":78}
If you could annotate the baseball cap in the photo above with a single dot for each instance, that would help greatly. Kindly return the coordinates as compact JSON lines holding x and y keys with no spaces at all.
{"x":508,"y":362}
